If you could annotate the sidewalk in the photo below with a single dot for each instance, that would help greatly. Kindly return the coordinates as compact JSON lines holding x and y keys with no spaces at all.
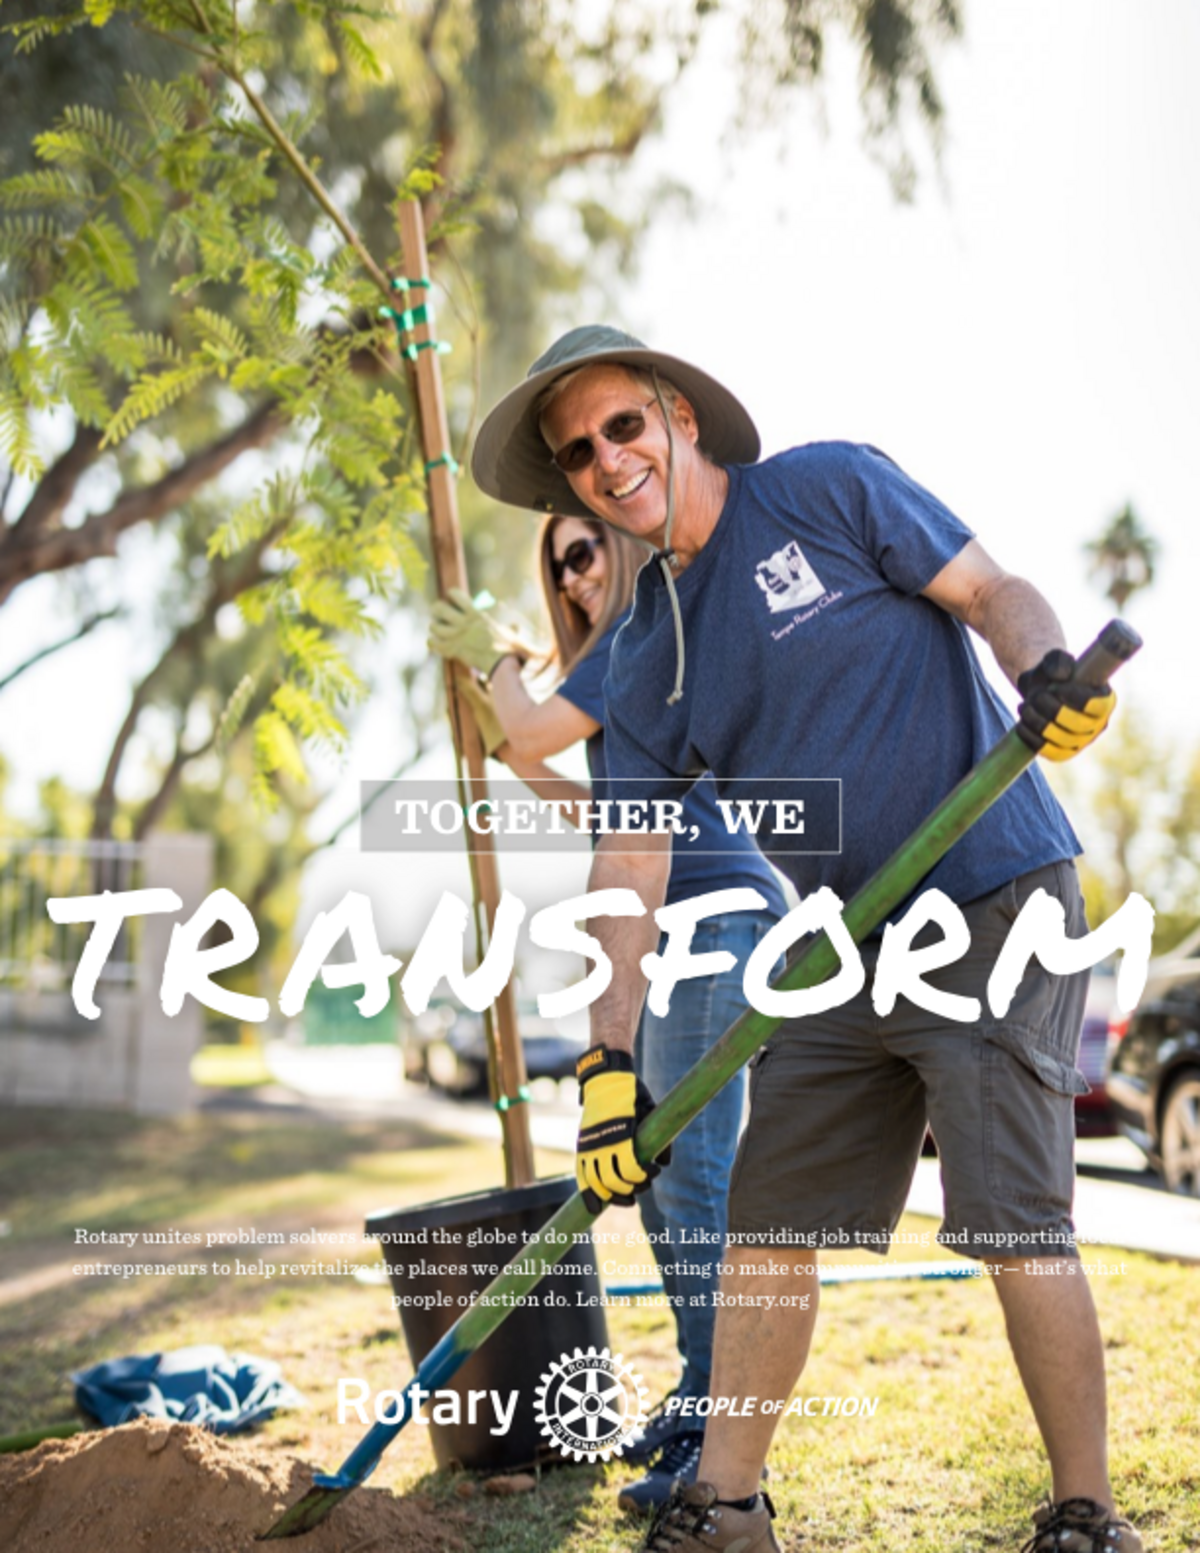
{"x":1118,"y":1201}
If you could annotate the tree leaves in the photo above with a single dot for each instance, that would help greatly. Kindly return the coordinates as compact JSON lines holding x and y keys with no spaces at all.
{"x":233,"y":714}
{"x":43,"y":187}
{"x":109,"y":254}
{"x":88,"y":138}
{"x":17,"y":444}
{"x":151,"y":395}
{"x":177,"y":192}
{"x":359,"y":50}
{"x":28,"y":241}
{"x":220,"y":339}
{"x":275,"y":750}
{"x":79,"y":384}
{"x":36,"y":30}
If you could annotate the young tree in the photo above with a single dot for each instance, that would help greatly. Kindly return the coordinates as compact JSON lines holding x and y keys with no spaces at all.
{"x":197,"y":236}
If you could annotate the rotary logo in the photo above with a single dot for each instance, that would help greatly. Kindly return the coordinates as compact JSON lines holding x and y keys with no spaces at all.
{"x":590,"y":1404}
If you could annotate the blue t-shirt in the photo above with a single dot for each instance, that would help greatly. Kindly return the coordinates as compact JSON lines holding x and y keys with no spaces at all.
{"x":716,"y":860}
{"x":811,"y":654}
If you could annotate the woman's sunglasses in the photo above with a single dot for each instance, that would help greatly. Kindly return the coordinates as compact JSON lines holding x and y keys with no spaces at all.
{"x":577,"y":557}
{"x":624,"y":427}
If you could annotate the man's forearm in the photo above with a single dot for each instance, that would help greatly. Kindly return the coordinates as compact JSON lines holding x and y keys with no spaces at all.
{"x":615,"y":1014}
{"x":1017,"y":623}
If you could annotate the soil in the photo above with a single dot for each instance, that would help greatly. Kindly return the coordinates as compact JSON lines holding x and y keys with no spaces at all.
{"x":176,"y":1488}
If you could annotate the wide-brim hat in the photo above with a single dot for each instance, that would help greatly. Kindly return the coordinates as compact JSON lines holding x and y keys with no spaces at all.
{"x":512,"y":462}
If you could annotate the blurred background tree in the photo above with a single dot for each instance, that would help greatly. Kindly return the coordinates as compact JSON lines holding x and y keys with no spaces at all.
{"x":1123,"y":557}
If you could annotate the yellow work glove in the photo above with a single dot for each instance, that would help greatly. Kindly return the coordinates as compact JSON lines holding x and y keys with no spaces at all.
{"x":615,"y":1102}
{"x":460,"y":630}
{"x":483,"y":709}
{"x":1058,"y":715}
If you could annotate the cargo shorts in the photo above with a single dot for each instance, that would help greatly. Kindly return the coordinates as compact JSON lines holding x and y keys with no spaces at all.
{"x":839,"y":1103}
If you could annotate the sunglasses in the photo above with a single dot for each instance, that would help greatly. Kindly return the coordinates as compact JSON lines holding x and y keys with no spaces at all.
{"x":626,"y":426}
{"x":577,"y":557}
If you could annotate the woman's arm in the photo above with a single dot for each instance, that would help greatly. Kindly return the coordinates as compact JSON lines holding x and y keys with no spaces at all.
{"x":546,"y":783}
{"x":534,"y":729}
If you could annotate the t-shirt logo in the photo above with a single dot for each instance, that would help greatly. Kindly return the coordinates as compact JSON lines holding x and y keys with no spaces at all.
{"x":787,"y":580}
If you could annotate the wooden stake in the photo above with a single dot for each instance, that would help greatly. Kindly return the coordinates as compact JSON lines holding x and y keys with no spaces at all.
{"x":506,"y":1059}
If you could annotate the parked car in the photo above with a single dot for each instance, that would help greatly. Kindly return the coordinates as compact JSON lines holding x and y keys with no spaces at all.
{"x":1154,"y":1079}
{"x":447,"y":1048}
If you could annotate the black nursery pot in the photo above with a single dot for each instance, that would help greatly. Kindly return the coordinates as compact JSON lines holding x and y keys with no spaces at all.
{"x":449,"y":1272}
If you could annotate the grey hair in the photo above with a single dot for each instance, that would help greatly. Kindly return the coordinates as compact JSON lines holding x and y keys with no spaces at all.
{"x":642,"y":376}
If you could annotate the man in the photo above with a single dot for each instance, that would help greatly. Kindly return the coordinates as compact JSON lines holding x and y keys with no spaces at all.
{"x":872,"y":680}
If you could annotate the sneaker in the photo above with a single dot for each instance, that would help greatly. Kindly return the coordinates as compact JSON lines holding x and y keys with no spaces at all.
{"x":680,"y":1460}
{"x":660,"y":1427}
{"x":1081,"y":1526}
{"x":693,"y":1522}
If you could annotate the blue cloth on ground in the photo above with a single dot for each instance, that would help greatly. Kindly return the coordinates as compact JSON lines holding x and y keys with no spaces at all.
{"x":201,"y":1385}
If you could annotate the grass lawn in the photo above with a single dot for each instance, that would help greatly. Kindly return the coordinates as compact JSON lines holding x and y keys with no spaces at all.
{"x":230,"y":1067}
{"x":949,"y":1461}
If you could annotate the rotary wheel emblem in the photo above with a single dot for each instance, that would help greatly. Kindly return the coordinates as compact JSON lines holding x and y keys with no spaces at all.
{"x":590,"y":1403}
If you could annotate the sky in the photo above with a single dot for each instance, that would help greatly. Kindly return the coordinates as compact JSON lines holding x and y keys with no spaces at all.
{"x":1024,"y":338}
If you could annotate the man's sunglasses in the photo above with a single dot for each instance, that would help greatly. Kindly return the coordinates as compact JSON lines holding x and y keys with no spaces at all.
{"x":624,"y":427}
{"x":577,"y":557}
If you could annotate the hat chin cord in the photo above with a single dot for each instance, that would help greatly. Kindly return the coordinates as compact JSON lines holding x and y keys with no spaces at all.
{"x":666,"y":557}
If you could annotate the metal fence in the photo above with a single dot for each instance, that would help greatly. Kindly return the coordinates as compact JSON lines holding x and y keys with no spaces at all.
{"x":37,"y":954}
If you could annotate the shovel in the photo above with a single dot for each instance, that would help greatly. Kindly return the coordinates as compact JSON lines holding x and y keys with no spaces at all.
{"x":818,"y":960}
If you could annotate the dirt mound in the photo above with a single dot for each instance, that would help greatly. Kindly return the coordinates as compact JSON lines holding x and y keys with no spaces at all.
{"x":175,"y":1488}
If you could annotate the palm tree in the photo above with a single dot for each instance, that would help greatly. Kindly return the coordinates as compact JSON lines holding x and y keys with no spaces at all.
{"x":1123,"y":556}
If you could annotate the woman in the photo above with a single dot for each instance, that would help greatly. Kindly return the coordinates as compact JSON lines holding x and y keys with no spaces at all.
{"x":587,"y":573}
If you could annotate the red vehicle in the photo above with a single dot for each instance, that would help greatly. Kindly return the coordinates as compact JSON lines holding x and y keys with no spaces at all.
{"x":1094,"y":1116}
